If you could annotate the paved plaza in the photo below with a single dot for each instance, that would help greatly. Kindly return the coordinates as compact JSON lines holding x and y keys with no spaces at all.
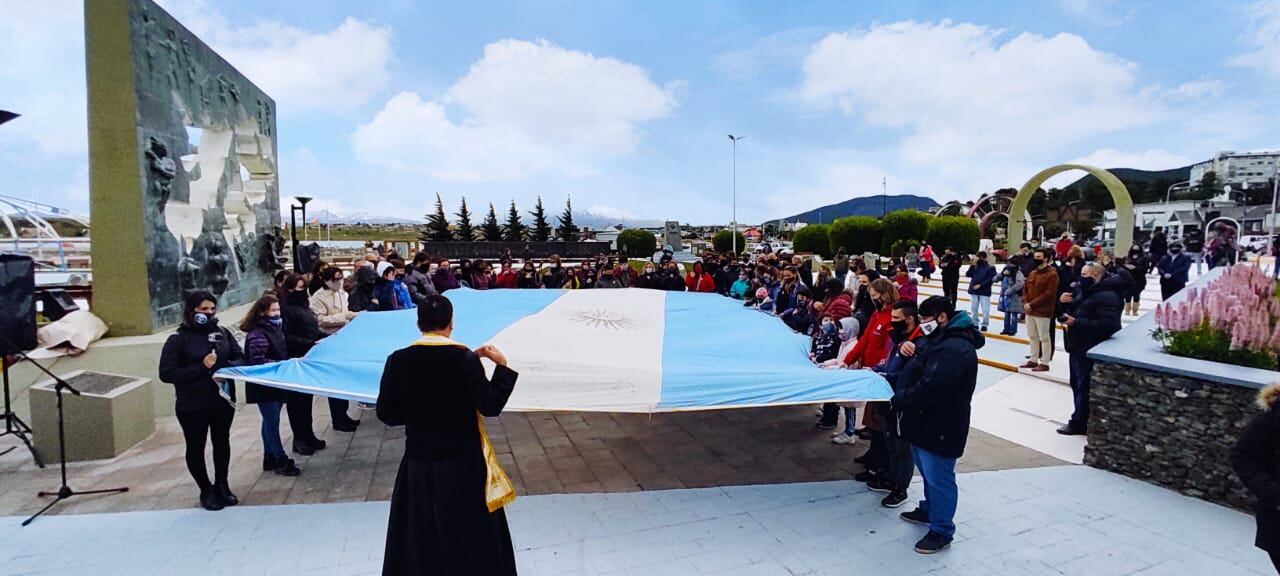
{"x":1055,"y":520}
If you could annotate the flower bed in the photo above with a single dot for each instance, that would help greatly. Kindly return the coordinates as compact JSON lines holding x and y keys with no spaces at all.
{"x":1235,"y":319}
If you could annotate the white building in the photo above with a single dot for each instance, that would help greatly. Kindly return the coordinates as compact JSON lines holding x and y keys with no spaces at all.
{"x":1240,"y":170}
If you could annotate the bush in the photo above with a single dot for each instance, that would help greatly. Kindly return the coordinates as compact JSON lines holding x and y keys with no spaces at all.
{"x":904,"y":226}
{"x":958,"y":232}
{"x":723,"y":241}
{"x":1205,"y":343}
{"x":814,"y":238}
{"x":1235,"y":319}
{"x":637,"y":243}
{"x":856,"y":234}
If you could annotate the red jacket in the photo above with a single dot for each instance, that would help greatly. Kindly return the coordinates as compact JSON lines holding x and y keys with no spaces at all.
{"x":509,"y":279}
{"x":873,"y":347}
{"x":907,"y":289}
{"x":838,"y":308}
{"x":1063,"y":247}
{"x":701,"y":282}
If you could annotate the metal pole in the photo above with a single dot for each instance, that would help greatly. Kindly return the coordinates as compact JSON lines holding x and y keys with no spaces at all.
{"x":293,"y":235}
{"x":735,"y":195}
{"x":1275,"y":187}
{"x":884,"y":195}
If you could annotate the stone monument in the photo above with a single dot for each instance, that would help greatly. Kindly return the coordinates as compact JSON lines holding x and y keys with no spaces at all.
{"x":184,"y":192}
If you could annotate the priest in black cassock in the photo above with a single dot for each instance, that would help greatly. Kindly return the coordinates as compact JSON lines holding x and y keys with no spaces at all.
{"x":445,"y":517}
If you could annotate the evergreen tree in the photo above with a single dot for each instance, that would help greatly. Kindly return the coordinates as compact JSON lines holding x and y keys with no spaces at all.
{"x":541,"y":228}
{"x":514,"y":230}
{"x":466,"y":232}
{"x":491,"y":231}
{"x":437,"y":225}
{"x":568,"y":232}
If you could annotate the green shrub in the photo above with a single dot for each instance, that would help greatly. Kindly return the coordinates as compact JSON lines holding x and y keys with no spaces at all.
{"x":814,"y":238}
{"x":904,"y":226}
{"x":723,"y":241}
{"x":637,"y":243}
{"x":1205,"y":343}
{"x":857,"y":234}
{"x":959,"y":232}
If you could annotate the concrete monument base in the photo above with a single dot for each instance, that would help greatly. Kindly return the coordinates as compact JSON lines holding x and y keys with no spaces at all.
{"x":110,"y":415}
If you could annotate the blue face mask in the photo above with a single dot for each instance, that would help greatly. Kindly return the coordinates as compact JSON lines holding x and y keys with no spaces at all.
{"x":829,"y":328}
{"x":275,"y":320}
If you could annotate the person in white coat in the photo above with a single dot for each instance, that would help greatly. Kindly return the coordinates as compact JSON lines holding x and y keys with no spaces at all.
{"x":330,"y":305}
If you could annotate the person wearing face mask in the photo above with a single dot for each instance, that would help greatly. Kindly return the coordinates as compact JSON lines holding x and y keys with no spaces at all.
{"x":873,"y":346}
{"x":1039,"y":299}
{"x":982,"y":275}
{"x":608,"y":278}
{"x":555,"y":275}
{"x":1092,"y":315}
{"x":390,"y":292}
{"x":587,"y":274}
{"x":863,"y":306}
{"x":529,"y":276}
{"x":361,"y":295}
{"x":894,"y":474}
{"x":301,"y":332}
{"x":1174,"y":268}
{"x":416,"y":279}
{"x":1012,"y":283}
{"x":444,"y":279}
{"x":650,"y":278}
{"x":1138,"y":266}
{"x":507,"y":278}
{"x":263,"y":344}
{"x":671,"y":280}
{"x":332,"y":308}
{"x":204,"y":407}
{"x":740,"y":286}
{"x":698,"y":280}
{"x":950,"y":268}
{"x":907,"y":287}
{"x":932,"y":399}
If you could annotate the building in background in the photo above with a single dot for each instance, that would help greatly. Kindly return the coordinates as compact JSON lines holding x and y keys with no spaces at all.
{"x":1239,"y":170}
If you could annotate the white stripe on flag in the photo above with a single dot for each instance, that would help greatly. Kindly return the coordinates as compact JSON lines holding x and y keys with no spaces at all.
{"x":615,"y":338}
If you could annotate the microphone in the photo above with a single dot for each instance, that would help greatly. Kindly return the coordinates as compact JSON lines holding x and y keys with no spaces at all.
{"x":224,"y":386}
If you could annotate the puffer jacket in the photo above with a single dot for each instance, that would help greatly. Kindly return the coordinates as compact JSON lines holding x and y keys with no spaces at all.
{"x":182,"y":365}
{"x":935,"y":389}
{"x":262,"y":345}
{"x":1097,"y":311}
{"x":1255,"y":457}
{"x":1011,"y":283}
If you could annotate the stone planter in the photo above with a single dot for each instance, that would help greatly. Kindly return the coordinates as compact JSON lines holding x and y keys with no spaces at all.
{"x":111,"y":414}
{"x":1170,"y":420}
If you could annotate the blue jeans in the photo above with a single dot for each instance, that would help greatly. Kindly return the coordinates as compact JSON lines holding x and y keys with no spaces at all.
{"x":980,"y":304}
{"x":271,"y":444}
{"x":1011,"y":323}
{"x":940,"y":492}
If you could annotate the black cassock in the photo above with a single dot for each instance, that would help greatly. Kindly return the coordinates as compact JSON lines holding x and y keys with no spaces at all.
{"x":440,"y":522}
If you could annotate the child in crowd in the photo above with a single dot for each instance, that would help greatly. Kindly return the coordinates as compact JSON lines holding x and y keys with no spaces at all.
{"x":825,"y":344}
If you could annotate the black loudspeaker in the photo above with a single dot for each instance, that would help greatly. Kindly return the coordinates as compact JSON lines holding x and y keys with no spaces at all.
{"x":17,"y":304}
{"x":57,"y":303}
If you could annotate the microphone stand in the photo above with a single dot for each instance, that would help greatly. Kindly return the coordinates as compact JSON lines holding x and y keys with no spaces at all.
{"x":64,"y":491}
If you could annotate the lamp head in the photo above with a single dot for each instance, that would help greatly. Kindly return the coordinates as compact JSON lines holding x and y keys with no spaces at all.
{"x":6,"y":116}
{"x":303,"y":200}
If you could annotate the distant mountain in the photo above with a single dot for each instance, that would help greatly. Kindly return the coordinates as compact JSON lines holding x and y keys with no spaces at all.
{"x":1134,"y":178}
{"x":325,"y":217}
{"x":598,"y":221}
{"x":864,"y":206}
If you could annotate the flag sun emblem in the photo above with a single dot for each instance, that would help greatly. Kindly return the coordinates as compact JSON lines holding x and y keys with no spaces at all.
{"x":607,"y":319}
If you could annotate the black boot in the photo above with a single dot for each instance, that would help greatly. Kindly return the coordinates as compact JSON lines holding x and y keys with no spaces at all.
{"x":223,"y":492}
{"x":288,"y":468}
{"x":209,"y":501}
{"x":270,"y":463}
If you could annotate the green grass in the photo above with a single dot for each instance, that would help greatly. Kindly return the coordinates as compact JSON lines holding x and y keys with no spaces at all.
{"x":1205,"y":343}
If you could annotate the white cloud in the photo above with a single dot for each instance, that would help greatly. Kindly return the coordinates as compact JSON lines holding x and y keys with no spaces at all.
{"x":1100,"y":12}
{"x":43,"y":77}
{"x":960,"y":94}
{"x":524,"y":108}
{"x":1106,"y":158}
{"x":611,"y":212}
{"x":1197,"y":90}
{"x":777,"y":51}
{"x":1263,"y":39}
{"x":332,"y":71}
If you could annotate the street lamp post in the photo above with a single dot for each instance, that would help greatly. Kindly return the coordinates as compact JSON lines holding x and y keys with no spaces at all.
{"x":1169,"y":192}
{"x":734,"y":140}
{"x":293,"y":228}
{"x":1271,"y":220}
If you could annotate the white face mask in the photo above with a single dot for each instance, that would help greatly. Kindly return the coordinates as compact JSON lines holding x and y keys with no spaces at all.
{"x":927,"y":328}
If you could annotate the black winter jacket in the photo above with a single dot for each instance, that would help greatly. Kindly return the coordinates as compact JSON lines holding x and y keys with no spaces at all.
{"x":935,"y":388}
{"x":1256,"y":460}
{"x":419,"y":284}
{"x":182,"y":364}
{"x":1097,"y":311}
{"x":301,"y":329}
{"x":950,"y":265}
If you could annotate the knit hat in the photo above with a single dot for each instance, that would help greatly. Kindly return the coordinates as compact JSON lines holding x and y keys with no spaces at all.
{"x":761,"y":294}
{"x":382,"y":268}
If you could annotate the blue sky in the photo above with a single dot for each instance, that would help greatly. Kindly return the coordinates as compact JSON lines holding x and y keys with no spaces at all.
{"x":626,"y":105}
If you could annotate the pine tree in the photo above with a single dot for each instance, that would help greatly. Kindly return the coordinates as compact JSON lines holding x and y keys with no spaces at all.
{"x":541,"y":228}
{"x":491,"y":231}
{"x":437,"y":225}
{"x":514,"y":230}
{"x":568,"y":232}
{"x":466,"y":232}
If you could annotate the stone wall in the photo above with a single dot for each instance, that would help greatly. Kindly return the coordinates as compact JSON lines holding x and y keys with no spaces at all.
{"x":1171,"y":430}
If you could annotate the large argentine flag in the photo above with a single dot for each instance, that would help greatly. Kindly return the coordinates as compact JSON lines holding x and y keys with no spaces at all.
{"x":626,"y":350}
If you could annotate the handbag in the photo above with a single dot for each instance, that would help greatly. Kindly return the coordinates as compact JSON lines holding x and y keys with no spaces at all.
{"x":498,"y":489}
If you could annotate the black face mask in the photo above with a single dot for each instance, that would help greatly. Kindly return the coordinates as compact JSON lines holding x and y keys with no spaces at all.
{"x":899,"y":328}
{"x":298,"y":298}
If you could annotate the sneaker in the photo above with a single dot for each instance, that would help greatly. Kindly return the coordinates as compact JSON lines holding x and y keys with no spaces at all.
{"x":880,"y":485}
{"x":932,"y":543}
{"x":845,"y":439}
{"x":916,"y":516}
{"x":865,"y":476}
{"x":1041,"y":368}
{"x":1030,"y":365}
{"x":895,"y":499}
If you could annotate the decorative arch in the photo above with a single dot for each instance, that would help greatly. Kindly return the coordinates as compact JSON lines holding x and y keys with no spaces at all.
{"x":1120,"y":194}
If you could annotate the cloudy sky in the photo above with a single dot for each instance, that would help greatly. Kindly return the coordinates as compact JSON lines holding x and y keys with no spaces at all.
{"x":626,"y":106}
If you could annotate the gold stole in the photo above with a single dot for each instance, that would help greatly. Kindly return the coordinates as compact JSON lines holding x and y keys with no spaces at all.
{"x":499,"y":491}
